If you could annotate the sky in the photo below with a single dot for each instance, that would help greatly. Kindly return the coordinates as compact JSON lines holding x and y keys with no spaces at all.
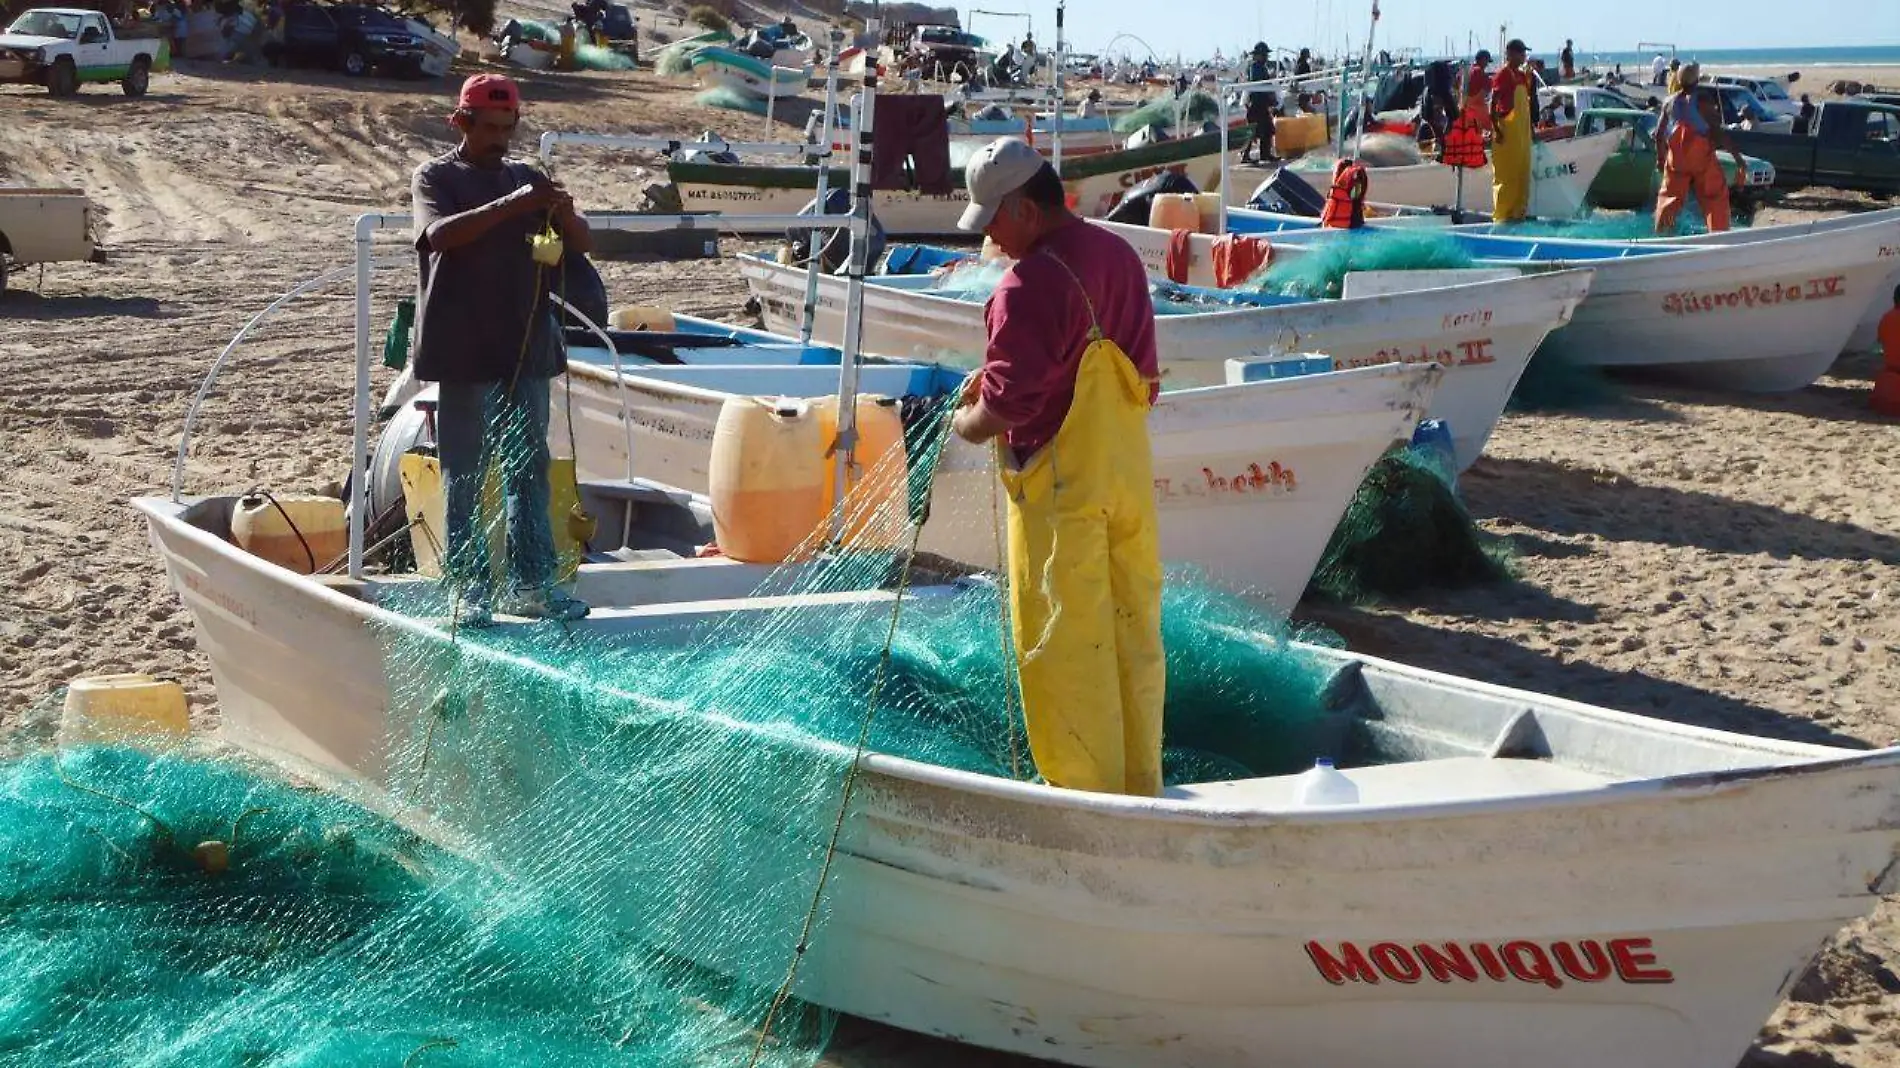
{"x":1197,"y":27}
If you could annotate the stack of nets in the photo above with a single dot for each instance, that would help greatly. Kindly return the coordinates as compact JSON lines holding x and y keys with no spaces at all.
{"x":1320,"y":272}
{"x":641,"y":811}
{"x":1163,"y":110}
{"x":730,"y":99}
{"x":1406,"y":530}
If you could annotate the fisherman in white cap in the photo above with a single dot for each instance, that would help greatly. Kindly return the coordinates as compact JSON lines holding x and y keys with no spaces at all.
{"x":1068,"y":378}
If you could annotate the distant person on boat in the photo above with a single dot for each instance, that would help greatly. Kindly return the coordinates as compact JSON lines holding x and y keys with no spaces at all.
{"x":1659,"y":70}
{"x":1261,"y":106}
{"x":1687,"y":137}
{"x":1304,"y":64}
{"x":1068,"y":378}
{"x":1805,"y":120}
{"x":1567,"y":60}
{"x":486,"y":333}
{"x":1512,"y":93}
{"x":1091,"y":106}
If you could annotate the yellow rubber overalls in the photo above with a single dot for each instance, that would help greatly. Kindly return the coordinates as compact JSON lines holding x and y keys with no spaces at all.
{"x":1511,"y":160}
{"x":1085,"y":583}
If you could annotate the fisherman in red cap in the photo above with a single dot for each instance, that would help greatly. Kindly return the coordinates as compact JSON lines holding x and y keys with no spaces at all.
{"x":487,"y":333}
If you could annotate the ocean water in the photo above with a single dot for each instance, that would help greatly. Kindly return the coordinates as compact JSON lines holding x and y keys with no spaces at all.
{"x":1766,"y":60}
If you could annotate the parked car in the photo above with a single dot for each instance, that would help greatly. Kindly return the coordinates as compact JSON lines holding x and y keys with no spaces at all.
{"x":43,"y":226}
{"x":1629,"y":180}
{"x":1771,"y":92}
{"x":1856,"y":145}
{"x":947,"y":51}
{"x":1571,"y":102}
{"x":353,"y":38}
{"x":63,"y":48}
{"x":1742,"y":109}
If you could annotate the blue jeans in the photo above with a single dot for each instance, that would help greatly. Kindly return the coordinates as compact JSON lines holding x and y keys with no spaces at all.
{"x":478,"y":423}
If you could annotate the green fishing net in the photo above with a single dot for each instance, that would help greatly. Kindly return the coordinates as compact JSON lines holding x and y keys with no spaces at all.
{"x":731,"y":99}
{"x":1163,"y":110}
{"x":605,"y":842}
{"x":1320,"y":272}
{"x":1406,"y":530}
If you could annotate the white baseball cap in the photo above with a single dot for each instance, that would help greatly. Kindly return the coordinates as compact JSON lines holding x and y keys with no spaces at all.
{"x":997,"y":170}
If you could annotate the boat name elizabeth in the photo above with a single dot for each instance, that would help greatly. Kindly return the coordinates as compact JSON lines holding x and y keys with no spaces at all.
{"x":1630,"y":960}
{"x":1271,"y":478}
{"x":1690,"y":302}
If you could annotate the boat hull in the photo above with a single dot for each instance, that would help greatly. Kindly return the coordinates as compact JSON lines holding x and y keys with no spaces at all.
{"x":1651,"y":923}
{"x":1758,"y":316}
{"x":1559,"y":187}
{"x":723,"y":68}
{"x":1229,"y":463}
{"x":1765,"y":317}
{"x":1483,"y":334}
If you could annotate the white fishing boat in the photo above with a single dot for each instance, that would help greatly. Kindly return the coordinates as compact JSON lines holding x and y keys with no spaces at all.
{"x":1561,"y":174}
{"x":720,"y":67}
{"x":1762,"y":316}
{"x":1863,"y":339}
{"x":1482,"y":333}
{"x":1522,"y":880}
{"x":1229,"y":461}
{"x":1519,"y":879}
{"x":1095,"y":184}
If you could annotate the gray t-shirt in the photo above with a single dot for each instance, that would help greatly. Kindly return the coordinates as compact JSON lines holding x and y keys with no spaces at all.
{"x":476,"y":302}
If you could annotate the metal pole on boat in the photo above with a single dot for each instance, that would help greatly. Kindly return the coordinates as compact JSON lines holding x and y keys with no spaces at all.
{"x":807,"y":321}
{"x":771,"y":101}
{"x":1055,"y":133}
{"x":1359,"y":143}
{"x":358,"y":505}
{"x":846,"y":445}
{"x":1220,"y":114}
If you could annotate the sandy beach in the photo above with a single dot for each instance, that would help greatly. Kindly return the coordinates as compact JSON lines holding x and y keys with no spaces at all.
{"x":1721,"y":559}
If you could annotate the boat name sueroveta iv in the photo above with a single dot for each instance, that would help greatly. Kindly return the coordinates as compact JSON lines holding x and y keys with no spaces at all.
{"x":1689,"y":302}
{"x":1630,"y":960}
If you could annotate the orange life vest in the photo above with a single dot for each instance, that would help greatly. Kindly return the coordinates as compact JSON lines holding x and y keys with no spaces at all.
{"x":1346,"y":204}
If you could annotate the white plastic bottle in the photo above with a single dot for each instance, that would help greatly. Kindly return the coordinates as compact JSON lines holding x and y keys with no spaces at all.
{"x":1324,"y":785}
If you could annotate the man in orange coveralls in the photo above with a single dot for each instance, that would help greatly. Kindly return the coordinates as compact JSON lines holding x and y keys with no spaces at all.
{"x":1687,"y":136}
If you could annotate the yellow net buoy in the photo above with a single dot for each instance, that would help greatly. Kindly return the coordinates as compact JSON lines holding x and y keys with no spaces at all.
{"x":546,"y":248}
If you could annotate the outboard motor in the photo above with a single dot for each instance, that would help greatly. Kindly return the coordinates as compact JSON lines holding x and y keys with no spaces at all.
{"x":834,"y":246}
{"x":1286,"y":194}
{"x":700,"y":155}
{"x":1134,"y":207}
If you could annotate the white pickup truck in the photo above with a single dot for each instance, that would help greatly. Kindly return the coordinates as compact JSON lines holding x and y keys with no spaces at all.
{"x":44,"y":226}
{"x":65,"y":47}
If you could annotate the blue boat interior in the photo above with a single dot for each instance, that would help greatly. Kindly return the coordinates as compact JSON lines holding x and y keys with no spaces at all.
{"x":1488,"y":248}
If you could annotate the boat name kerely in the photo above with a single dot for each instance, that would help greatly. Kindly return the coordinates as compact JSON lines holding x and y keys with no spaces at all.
{"x":1690,"y":302}
{"x":1460,"y":320}
{"x":1629,"y":960}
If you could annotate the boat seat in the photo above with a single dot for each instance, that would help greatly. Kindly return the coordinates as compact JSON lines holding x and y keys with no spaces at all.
{"x":1410,"y":783}
{"x":826,"y":611}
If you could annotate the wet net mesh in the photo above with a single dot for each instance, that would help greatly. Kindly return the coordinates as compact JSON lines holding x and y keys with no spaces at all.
{"x":1320,"y":272}
{"x":598,"y":843}
{"x":1164,"y":110}
{"x":1406,"y":530}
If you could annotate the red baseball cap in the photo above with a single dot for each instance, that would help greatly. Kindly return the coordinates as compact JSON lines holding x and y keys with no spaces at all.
{"x":489,"y":91}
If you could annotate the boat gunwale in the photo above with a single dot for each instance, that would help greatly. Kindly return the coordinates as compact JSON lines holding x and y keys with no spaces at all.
{"x":1224,"y":315}
{"x":1796,"y":759}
